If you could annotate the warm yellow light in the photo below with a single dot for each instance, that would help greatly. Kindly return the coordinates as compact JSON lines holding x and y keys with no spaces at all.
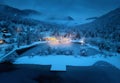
{"x":52,"y":40}
{"x":65,"y":40}
{"x":58,"y":41}
{"x":1,"y":41}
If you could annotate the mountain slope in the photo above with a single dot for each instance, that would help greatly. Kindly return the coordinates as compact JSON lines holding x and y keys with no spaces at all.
{"x":104,"y":32}
{"x":10,"y":11}
{"x":111,"y":19}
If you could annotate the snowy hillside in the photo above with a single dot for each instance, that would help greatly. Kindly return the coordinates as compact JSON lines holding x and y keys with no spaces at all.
{"x":100,"y":37}
{"x":14,"y":12}
{"x":60,"y":41}
{"x":104,"y":29}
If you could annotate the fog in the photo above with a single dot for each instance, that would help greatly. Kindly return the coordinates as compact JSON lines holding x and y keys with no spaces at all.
{"x":78,"y":9}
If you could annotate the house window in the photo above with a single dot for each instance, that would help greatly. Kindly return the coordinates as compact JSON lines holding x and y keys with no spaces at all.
{"x":1,"y":41}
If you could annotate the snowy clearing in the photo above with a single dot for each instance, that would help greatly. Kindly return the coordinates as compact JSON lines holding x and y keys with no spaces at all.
{"x":61,"y":61}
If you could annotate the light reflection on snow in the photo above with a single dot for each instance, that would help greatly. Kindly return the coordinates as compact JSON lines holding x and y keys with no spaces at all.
{"x":53,"y":41}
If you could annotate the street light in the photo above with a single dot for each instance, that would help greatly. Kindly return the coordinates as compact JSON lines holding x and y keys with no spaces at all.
{"x":82,"y":41}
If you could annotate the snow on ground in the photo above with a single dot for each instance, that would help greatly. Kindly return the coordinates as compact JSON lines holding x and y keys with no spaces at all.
{"x":2,"y":55}
{"x":58,"y":68}
{"x":33,"y":44}
{"x":60,"y":62}
{"x":2,"y":49}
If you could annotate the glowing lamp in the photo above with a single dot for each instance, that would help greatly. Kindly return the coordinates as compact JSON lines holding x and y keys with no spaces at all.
{"x":82,"y":41}
{"x":1,"y":41}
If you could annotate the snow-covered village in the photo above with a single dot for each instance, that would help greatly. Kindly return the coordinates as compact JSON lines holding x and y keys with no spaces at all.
{"x":44,"y":41}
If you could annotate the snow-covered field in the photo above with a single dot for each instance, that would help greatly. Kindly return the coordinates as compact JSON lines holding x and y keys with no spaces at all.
{"x":61,"y":61}
{"x":2,"y":55}
{"x":2,"y":49}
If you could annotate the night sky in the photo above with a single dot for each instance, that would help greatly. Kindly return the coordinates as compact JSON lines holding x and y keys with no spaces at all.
{"x":75,"y":8}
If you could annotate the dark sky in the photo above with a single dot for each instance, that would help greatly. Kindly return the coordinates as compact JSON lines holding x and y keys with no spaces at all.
{"x":76,"y":8}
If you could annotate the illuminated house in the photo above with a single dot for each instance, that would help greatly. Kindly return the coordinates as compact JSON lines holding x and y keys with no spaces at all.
{"x":2,"y":41}
{"x":4,"y":30}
